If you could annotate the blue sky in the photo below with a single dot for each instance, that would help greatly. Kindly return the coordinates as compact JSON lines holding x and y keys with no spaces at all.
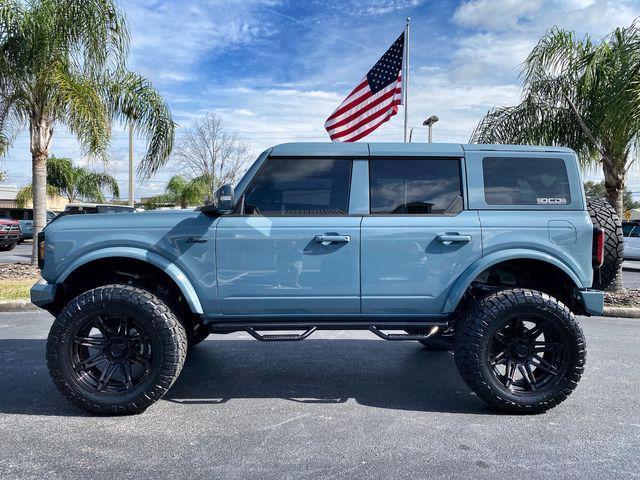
{"x":275,"y":69}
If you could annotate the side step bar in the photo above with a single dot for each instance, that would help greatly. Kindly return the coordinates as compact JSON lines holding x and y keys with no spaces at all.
{"x":293,"y":337}
{"x":397,"y":337}
{"x":285,"y":337}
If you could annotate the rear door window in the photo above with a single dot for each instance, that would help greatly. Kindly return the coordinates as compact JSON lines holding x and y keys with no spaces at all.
{"x":415,"y":186}
{"x":525,"y":181}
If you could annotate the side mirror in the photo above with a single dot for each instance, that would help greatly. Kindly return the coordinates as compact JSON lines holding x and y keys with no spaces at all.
{"x":224,"y":198}
{"x":223,"y":201}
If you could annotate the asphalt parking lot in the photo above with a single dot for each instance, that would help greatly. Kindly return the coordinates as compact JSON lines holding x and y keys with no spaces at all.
{"x":338,"y":405}
{"x":20,"y":254}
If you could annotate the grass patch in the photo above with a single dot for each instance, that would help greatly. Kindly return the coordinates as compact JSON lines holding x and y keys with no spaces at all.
{"x":16,"y":289}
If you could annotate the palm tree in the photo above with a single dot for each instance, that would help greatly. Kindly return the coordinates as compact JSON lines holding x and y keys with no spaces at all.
{"x":72,"y":182}
{"x":64,"y":62}
{"x":183,"y":191}
{"x":582,"y":95}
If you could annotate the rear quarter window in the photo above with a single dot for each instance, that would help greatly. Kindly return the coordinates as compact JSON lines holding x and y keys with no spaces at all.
{"x":525,"y":181}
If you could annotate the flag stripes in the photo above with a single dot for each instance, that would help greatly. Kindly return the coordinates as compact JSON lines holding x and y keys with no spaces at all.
{"x":374,"y":101}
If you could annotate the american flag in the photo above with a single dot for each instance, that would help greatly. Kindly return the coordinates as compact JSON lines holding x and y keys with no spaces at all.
{"x":374,"y":101}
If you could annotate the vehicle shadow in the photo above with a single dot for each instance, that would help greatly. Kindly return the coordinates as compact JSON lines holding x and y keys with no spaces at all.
{"x":394,"y":375}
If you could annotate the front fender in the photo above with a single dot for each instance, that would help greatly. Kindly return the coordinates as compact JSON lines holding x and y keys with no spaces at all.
{"x":159,"y":261}
{"x":479,"y":266}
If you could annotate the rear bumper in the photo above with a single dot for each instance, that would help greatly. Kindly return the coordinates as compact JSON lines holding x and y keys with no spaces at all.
{"x":43,"y":293}
{"x":592,"y":301}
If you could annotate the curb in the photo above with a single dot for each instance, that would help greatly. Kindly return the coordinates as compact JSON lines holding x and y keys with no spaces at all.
{"x":631,"y":266}
{"x":627,"y":312}
{"x":17,"y":306}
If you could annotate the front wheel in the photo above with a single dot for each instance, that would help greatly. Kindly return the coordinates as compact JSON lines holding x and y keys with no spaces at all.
{"x":520,"y":350}
{"x":6,"y":248}
{"x":115,"y":349}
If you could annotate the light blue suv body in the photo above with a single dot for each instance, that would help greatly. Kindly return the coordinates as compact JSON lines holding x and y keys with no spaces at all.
{"x":362,"y":265}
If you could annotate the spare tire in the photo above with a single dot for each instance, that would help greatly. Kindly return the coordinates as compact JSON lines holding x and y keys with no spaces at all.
{"x":603,"y":215}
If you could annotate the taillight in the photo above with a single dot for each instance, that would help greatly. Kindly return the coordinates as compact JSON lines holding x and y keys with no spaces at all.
{"x":41,"y":250}
{"x":597,"y":257}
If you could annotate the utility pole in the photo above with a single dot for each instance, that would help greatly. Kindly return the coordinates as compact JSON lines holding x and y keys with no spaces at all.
{"x":131,"y":200}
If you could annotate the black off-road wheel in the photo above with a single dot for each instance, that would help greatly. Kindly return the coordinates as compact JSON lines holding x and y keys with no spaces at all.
{"x":603,"y":215}
{"x":520,"y":350}
{"x":115,"y":349}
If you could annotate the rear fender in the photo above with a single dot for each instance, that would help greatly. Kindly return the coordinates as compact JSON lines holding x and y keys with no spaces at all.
{"x":462,"y":284}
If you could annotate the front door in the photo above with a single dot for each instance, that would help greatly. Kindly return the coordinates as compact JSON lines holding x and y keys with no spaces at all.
{"x":292,"y":249}
{"x":418,"y":237}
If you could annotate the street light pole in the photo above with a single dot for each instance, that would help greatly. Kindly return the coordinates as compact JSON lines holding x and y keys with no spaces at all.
{"x":429,"y":122}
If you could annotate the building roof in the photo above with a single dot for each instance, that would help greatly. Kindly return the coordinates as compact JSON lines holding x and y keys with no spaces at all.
{"x":8,"y":192}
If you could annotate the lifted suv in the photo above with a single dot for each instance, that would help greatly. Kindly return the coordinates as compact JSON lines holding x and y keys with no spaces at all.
{"x":488,"y":251}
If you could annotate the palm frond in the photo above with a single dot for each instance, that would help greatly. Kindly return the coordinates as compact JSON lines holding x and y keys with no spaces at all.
{"x":25,"y":195}
{"x":94,"y":31}
{"x":83,"y":108}
{"x":132,"y":98}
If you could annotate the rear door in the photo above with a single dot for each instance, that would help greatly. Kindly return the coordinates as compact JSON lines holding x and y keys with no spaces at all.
{"x":418,"y":237}
{"x":292,"y":249}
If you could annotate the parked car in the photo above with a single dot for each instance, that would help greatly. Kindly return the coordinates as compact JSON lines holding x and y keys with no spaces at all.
{"x":486,"y":250}
{"x":25,"y":217}
{"x":10,"y":234}
{"x":97,"y":208}
{"x":631,"y":240}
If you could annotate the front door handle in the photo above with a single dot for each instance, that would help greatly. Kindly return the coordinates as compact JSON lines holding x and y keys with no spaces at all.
{"x":453,"y":237}
{"x":327,"y":239}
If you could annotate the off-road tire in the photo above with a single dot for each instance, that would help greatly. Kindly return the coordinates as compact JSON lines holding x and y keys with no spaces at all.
{"x":483,"y":319}
{"x":6,"y":248}
{"x":603,"y":215}
{"x":166,"y":332}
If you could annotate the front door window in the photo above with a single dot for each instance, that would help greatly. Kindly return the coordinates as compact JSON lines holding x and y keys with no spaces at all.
{"x":300,"y":187}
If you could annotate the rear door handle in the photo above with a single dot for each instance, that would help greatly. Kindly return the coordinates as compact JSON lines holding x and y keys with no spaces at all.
{"x":327,"y":239}
{"x":453,"y":237}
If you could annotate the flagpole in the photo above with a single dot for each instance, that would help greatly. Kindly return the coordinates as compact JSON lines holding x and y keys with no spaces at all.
{"x":405,"y":77}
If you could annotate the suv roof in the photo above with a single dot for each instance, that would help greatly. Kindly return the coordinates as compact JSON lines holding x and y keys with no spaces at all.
{"x":355,"y":149}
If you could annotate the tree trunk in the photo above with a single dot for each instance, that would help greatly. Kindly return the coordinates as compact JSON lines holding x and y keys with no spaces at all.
{"x":615,"y":177}
{"x":41,"y":131}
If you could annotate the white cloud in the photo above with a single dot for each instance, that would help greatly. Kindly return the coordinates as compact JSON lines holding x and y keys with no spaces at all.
{"x":170,"y":37}
{"x":381,"y":7}
{"x":534,"y":17}
{"x":495,"y":14}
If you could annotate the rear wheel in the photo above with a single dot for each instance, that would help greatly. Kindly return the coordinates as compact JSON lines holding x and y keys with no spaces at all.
{"x":115,"y":349}
{"x":603,"y":215}
{"x":520,"y":350}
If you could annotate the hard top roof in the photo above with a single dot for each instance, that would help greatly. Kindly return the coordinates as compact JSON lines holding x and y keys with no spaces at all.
{"x":385,"y":149}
